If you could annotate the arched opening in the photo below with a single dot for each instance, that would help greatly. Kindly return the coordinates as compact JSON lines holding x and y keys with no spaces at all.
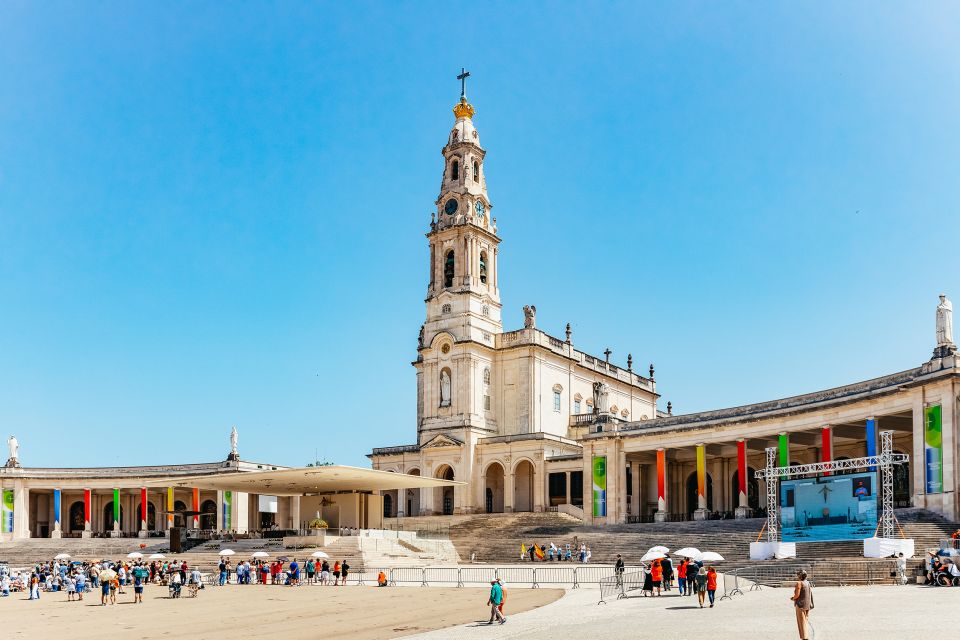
{"x":77,"y":517}
{"x":179,"y":506}
{"x":448,"y":265}
{"x":443,"y":496}
{"x":108,"y":517}
{"x":387,"y":505}
{"x":455,"y":170}
{"x":476,"y":172}
{"x":151,"y":516}
{"x":523,"y":486}
{"x":901,"y":484}
{"x":493,"y":488}
{"x":483,"y":267}
{"x":208,"y":514}
{"x":692,"y":492}
{"x":753,"y":489}
{"x":412,"y":497}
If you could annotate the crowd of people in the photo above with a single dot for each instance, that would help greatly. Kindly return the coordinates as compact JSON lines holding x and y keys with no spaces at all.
{"x":284,"y":572}
{"x":691,"y":575}
{"x":539,"y":552}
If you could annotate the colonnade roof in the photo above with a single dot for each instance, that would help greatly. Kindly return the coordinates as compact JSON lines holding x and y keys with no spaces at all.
{"x":308,"y":480}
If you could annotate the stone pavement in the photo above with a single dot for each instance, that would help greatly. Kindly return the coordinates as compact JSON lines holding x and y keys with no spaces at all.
{"x":851,"y":613}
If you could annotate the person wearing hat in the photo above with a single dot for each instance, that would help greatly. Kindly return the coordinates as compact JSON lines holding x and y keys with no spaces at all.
{"x":494,"y":602}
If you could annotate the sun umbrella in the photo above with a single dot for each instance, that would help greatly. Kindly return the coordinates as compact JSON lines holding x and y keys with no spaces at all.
{"x":62,"y":556}
{"x":710,"y":556}
{"x":157,"y":556}
{"x":107,"y":575}
{"x":660,"y":548}
{"x":283,"y":559}
{"x":135,"y":555}
{"x":688,"y":552}
{"x":260,"y":554}
{"x":227,"y":552}
{"x":319,"y":554}
{"x":652,"y":555}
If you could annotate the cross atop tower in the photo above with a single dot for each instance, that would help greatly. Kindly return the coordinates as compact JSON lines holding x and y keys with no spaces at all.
{"x":464,"y":74}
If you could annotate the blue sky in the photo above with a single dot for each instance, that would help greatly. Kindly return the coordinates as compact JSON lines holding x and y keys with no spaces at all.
{"x":214,"y":216}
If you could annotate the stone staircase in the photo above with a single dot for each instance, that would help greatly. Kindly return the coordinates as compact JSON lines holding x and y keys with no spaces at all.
{"x":24,"y":553}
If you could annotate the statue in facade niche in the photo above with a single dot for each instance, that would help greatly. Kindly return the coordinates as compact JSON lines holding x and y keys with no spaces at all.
{"x":444,"y":388}
{"x":944,"y":322}
{"x":529,"y":317}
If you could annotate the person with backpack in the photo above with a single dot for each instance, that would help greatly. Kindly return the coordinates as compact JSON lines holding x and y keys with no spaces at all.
{"x":803,"y":603}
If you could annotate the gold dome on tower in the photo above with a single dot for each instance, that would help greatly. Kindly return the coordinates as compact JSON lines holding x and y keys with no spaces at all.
{"x":464,"y":109}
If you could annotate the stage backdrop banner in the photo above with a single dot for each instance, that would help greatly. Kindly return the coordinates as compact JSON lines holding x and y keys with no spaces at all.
{"x":933,"y":445}
{"x":268,"y":504}
{"x":7,"y":512}
{"x":829,"y":507}
{"x":600,"y":487}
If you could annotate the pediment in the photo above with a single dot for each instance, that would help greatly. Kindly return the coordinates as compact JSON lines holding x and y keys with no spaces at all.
{"x":439,"y":441}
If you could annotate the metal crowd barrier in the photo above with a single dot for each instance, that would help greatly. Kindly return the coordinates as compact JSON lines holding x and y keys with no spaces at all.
{"x":533,"y":576}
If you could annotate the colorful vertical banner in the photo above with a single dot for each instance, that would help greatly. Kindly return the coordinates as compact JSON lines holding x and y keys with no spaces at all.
{"x":701,"y":476}
{"x":144,"y":507}
{"x":933,"y":443}
{"x":87,"y":503}
{"x":784,"y":446}
{"x":56,"y":508}
{"x":169,"y":507}
{"x":661,"y":480}
{"x":116,"y":505}
{"x":227,"y":509}
{"x":599,"y":486}
{"x":826,"y":447}
{"x":6,"y":512}
{"x":196,"y":507}
{"x":742,"y":471}
{"x":872,"y":439}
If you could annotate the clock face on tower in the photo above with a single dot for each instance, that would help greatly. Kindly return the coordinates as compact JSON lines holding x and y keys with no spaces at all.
{"x":480,"y":208}
{"x":450,"y":207}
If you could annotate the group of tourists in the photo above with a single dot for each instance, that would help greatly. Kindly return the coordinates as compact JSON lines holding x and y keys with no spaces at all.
{"x":544,"y":553}
{"x":692,"y":578}
{"x":284,"y":572}
{"x":77,"y":578}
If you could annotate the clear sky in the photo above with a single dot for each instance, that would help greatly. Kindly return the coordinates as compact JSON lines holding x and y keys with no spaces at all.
{"x":215,"y":216}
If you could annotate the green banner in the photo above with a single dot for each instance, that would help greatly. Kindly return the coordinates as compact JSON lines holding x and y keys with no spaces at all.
{"x":933,"y":447}
{"x":227,"y":509}
{"x":6,"y":512}
{"x":116,"y":505}
{"x":600,"y":487}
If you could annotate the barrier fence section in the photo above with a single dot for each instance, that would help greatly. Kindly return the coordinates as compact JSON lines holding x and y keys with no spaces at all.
{"x":533,"y":576}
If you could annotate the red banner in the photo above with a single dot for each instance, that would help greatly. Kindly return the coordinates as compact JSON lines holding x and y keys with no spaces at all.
{"x":86,"y":506}
{"x":742,"y":466}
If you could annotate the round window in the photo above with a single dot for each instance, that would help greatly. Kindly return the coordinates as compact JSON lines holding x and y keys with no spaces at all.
{"x":445,"y":348}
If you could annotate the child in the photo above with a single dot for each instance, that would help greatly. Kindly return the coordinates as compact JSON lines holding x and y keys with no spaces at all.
{"x":71,"y":588}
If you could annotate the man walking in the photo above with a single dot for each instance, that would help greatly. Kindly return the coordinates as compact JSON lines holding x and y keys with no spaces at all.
{"x":496,"y":597}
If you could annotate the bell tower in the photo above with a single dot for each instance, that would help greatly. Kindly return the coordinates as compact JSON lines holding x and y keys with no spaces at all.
{"x":463,"y":296}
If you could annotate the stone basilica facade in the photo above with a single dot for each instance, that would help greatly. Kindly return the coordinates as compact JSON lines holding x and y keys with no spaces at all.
{"x":497,"y":409}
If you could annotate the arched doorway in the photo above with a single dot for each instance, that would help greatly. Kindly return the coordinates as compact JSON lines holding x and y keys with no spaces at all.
{"x":151,"y":516}
{"x":523,"y":486}
{"x":387,"y":505}
{"x":208,"y":514}
{"x":901,"y":485}
{"x":493,"y":488}
{"x":77,"y":517}
{"x":692,"y":492}
{"x":108,"y":517}
{"x":412,"y":497}
{"x":444,"y":497}
{"x":179,"y":506}
{"x":753,"y":489}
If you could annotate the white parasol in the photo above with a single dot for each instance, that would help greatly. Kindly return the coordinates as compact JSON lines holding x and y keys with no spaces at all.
{"x":156,"y":556}
{"x":62,"y":556}
{"x":227,"y":552}
{"x":260,"y":554}
{"x":652,"y":555}
{"x":688,"y":552}
{"x":319,"y":554}
{"x":134,"y":555}
{"x":660,"y":548}
{"x":710,"y":556}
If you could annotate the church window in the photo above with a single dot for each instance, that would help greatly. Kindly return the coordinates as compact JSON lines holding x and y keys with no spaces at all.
{"x":486,"y":376}
{"x":486,"y":403}
{"x":556,"y":401}
{"x":483,"y":267}
{"x":486,"y":311}
{"x":448,"y":270}
{"x":445,"y":308}
{"x":476,"y":172}
{"x":455,"y":170}
{"x":576,"y":407}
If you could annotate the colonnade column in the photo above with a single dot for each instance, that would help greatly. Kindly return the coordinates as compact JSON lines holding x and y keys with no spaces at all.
{"x":21,"y":511}
{"x":783,"y":445}
{"x":661,"y":514}
{"x":196,"y":507}
{"x":701,"y":513}
{"x":826,"y":446}
{"x":116,"y":514}
{"x":87,"y":514}
{"x":170,"y":504}
{"x":295,"y":510}
{"x":636,"y":502}
{"x":144,"y":513}
{"x":872,"y":438}
{"x":743,"y":504}
{"x":57,"y":514}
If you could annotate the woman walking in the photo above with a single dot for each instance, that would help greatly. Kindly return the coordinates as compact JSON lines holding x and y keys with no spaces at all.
{"x":682,"y":575}
{"x":803,"y":602}
{"x":711,"y":584}
{"x":701,"y":585}
{"x":656,"y":573}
